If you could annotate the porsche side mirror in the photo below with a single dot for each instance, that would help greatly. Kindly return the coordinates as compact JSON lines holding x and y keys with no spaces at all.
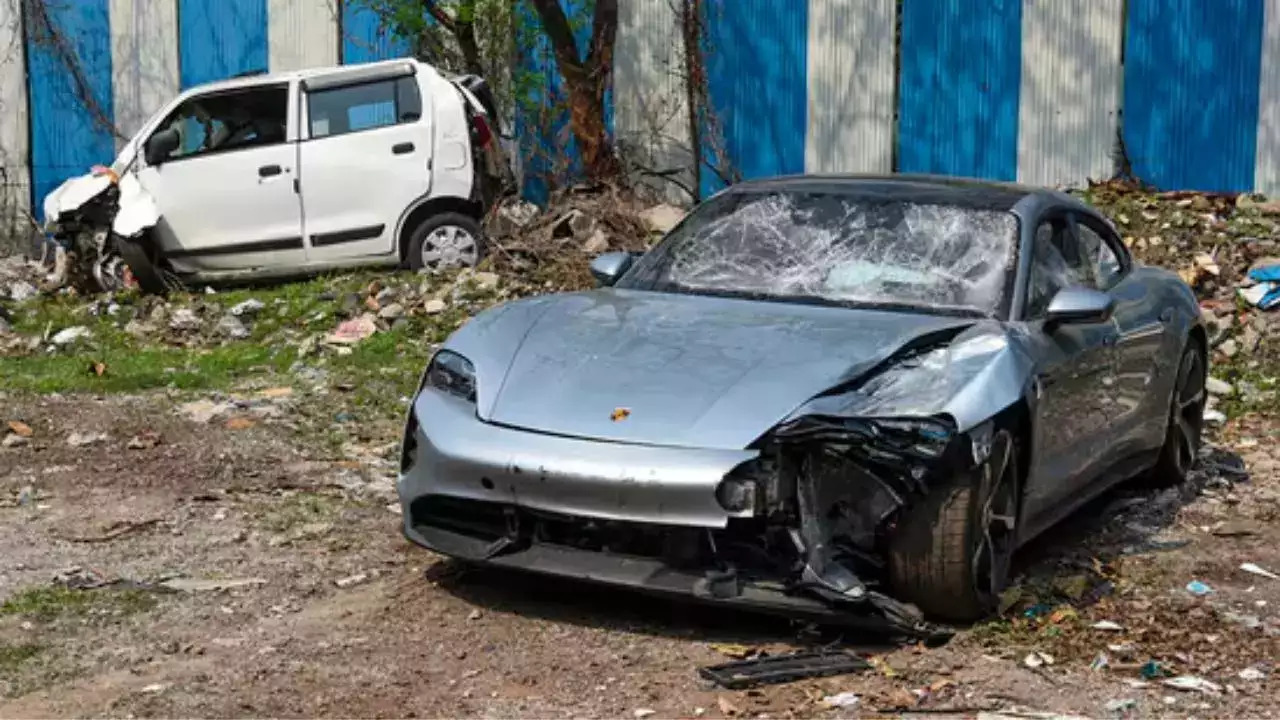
{"x":1078,"y":306}
{"x":161,"y":145}
{"x":607,"y":268}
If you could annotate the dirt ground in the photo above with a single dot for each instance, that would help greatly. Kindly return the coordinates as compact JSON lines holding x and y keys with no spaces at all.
{"x":325,"y":610}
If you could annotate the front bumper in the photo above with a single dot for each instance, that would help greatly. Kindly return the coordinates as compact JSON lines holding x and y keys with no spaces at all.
{"x":474,"y":491}
{"x":451,"y":453}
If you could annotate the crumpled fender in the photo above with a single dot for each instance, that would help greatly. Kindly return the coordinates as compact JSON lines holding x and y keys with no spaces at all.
{"x":73,"y":193}
{"x":970,"y":379}
{"x":138,"y":210}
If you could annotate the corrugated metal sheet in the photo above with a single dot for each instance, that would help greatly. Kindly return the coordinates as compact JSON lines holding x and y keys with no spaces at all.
{"x":221,"y":38}
{"x":144,"y":52}
{"x":1267,"y":162}
{"x":1191,"y":79}
{"x":652,"y":121}
{"x":15,"y":178}
{"x":364,"y":39}
{"x":960,"y":69}
{"x":850,"y":61}
{"x":1069,"y":104}
{"x":301,"y":34}
{"x":69,"y":131}
{"x":756,"y":68}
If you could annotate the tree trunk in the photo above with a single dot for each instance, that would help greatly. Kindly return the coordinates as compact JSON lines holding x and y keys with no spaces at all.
{"x":587,"y":80}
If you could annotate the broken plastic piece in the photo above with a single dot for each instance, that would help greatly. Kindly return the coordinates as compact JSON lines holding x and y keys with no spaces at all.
{"x":783,"y":668}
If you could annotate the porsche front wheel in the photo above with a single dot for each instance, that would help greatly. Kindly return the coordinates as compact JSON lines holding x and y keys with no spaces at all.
{"x":951,"y":553}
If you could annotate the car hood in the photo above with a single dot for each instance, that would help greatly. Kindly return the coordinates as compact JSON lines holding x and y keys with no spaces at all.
{"x":681,"y":370}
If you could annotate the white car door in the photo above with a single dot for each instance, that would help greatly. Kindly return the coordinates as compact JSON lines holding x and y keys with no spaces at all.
{"x":227,"y":195}
{"x":364,"y":158}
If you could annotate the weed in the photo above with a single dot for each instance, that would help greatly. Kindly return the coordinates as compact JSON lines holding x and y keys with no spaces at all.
{"x":52,"y":602}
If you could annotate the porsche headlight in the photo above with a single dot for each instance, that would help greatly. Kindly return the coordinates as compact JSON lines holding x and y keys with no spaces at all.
{"x":450,"y":372}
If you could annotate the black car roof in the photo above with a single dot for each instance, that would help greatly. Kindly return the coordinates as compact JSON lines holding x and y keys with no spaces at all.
{"x":931,"y":189}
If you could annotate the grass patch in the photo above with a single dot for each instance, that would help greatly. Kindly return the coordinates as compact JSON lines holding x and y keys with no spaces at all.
{"x":51,"y":602}
{"x":299,"y":509}
{"x":13,"y":656}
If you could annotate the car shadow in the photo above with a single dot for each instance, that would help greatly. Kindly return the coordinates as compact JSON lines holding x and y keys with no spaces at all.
{"x":1126,"y":520}
{"x":1062,"y":564}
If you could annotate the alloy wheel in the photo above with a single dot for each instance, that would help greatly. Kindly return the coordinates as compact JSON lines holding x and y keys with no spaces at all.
{"x":997,"y":518}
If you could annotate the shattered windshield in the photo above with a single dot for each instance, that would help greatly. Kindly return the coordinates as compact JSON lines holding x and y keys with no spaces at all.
{"x":836,"y":248}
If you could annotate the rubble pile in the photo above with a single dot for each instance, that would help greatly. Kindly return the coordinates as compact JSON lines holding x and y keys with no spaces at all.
{"x":1214,"y":242}
{"x":550,"y":249}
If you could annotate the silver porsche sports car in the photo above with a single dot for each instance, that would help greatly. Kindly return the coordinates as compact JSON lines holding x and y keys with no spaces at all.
{"x":836,"y":396}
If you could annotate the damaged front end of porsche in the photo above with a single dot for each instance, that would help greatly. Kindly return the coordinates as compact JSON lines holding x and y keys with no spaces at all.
{"x":807,"y":521}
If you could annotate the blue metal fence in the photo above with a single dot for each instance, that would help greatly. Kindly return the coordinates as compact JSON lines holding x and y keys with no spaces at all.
{"x":71,"y":113}
{"x":961,"y":66}
{"x":220,"y":38}
{"x":1191,"y":88}
{"x":756,"y":69}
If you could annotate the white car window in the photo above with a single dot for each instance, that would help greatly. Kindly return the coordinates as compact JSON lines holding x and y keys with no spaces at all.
{"x":363,"y":107}
{"x":229,"y":121}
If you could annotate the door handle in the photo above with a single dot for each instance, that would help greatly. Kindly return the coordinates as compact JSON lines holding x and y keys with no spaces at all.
{"x":402,"y":148}
{"x":269,"y":171}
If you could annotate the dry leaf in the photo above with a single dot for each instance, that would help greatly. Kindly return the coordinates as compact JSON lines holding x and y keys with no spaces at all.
{"x":733,"y":650}
{"x":20,"y":428}
{"x":240,"y":423}
{"x":276,"y":392}
{"x":98,"y":368}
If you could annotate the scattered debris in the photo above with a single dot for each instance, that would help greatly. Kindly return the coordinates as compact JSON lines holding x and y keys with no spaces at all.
{"x":1195,"y":587}
{"x":351,"y":580}
{"x":14,"y":440}
{"x":202,"y":585}
{"x":21,"y":291}
{"x":774,"y":669}
{"x":1191,"y":683}
{"x":17,"y":427}
{"x":350,"y":332}
{"x":1218,"y":387}
{"x":434,"y":306}
{"x":642,"y":713}
{"x":70,"y":335}
{"x":184,"y":320}
{"x":1234,"y":528}
{"x":1251,"y":674}
{"x":846,"y":699}
{"x":1256,"y":570}
{"x":203,"y":411}
{"x":1107,"y":625}
{"x":474,"y":615}
{"x":1121,"y":705}
{"x":83,"y":439}
{"x":250,"y":307}
{"x":660,"y":219}
{"x":735,"y":650}
{"x":1035,"y":659}
{"x":231,"y":327}
{"x":240,"y":422}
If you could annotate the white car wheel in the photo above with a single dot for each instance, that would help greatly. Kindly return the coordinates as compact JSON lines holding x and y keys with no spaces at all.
{"x":450,"y":246}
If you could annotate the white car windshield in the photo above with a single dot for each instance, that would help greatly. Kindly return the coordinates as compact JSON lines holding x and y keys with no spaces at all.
{"x":835,"y":248}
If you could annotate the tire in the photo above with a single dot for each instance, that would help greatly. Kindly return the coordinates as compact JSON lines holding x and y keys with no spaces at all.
{"x":143,"y":267}
{"x":939,"y":558}
{"x":1186,"y":420}
{"x":436,"y":229}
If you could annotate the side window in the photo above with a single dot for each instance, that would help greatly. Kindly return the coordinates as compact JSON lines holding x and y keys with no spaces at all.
{"x":1054,"y":265}
{"x":1104,"y":264}
{"x":363,"y":107}
{"x":229,"y":121}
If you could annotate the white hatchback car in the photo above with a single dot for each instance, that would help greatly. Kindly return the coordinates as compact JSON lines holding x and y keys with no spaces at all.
{"x":384,"y":163}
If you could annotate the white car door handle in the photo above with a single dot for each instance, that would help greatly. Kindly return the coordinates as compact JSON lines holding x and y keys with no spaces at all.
{"x":402,"y":149}
{"x":269,"y":170}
